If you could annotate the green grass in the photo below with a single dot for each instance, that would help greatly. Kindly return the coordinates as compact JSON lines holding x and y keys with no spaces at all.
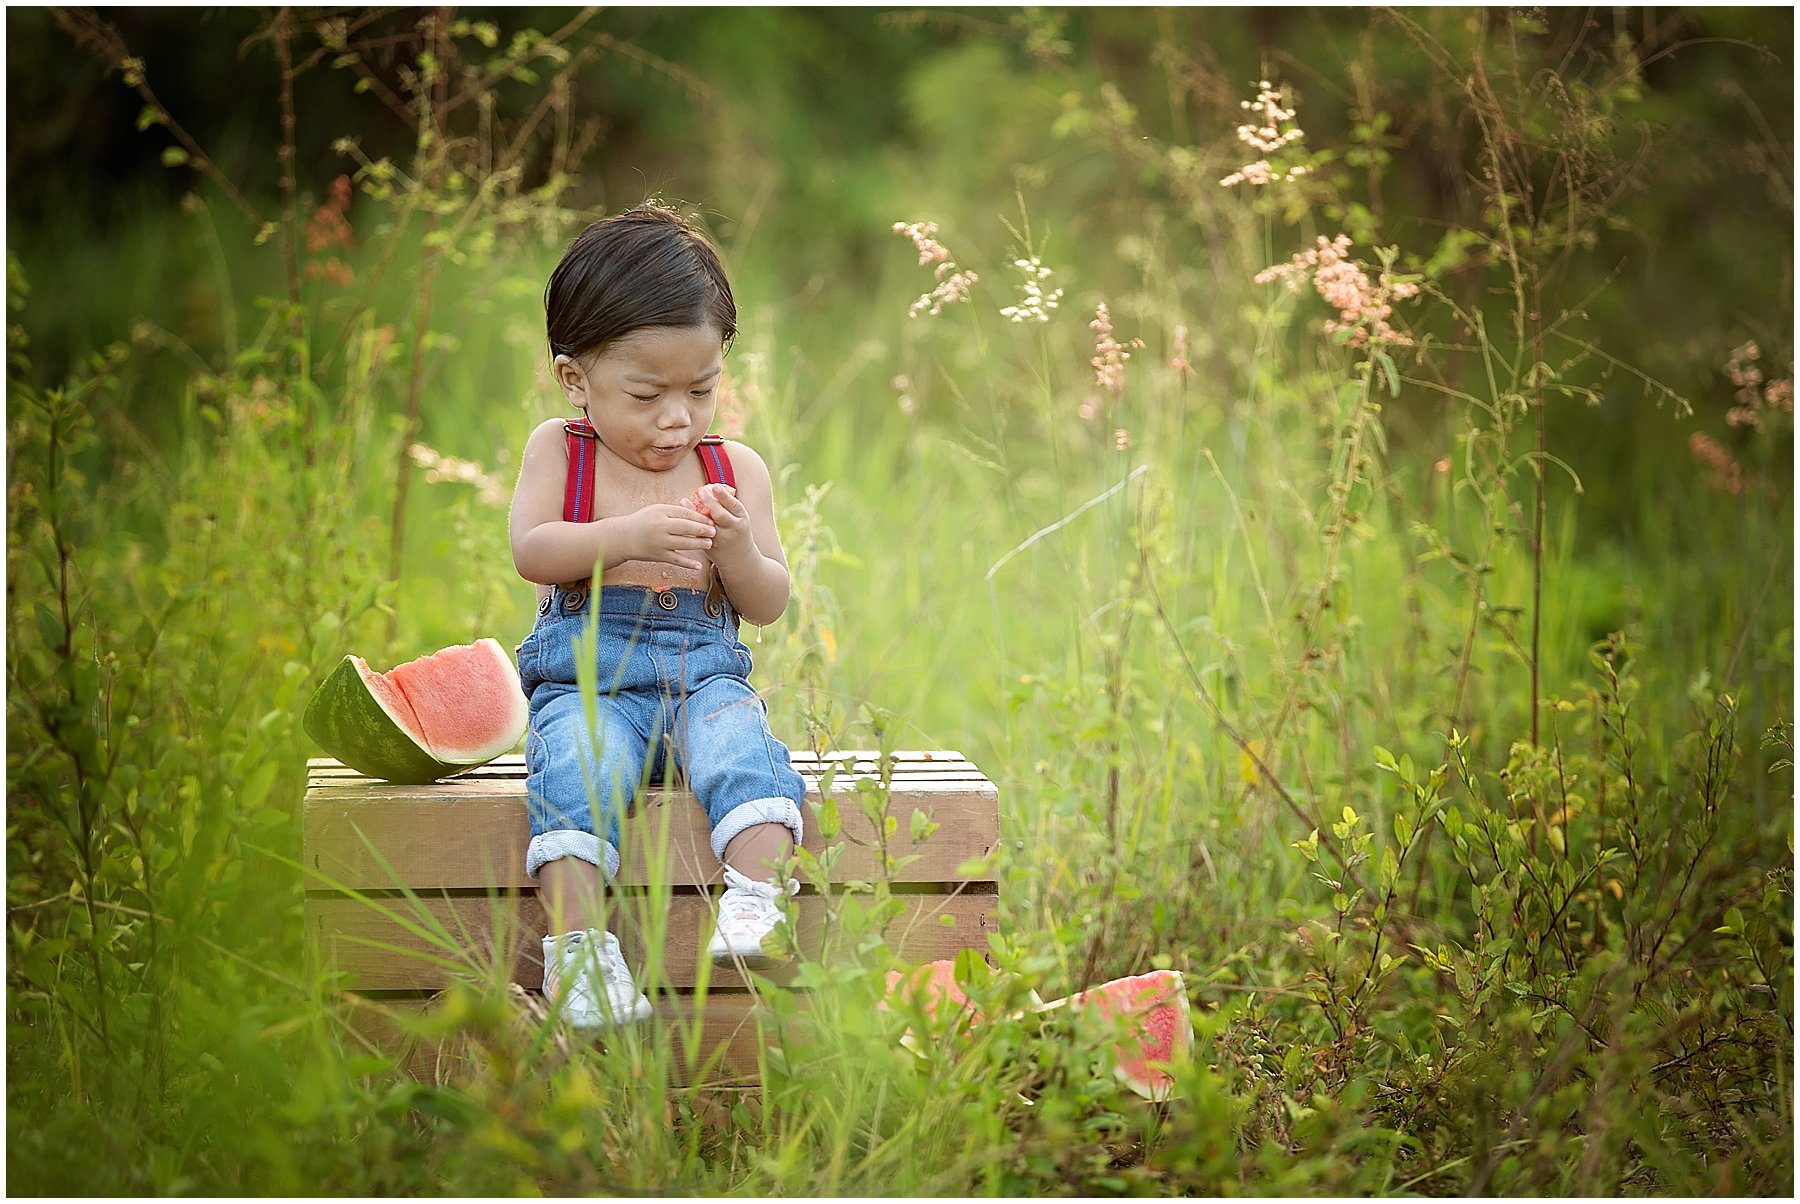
{"x":1267,"y":637}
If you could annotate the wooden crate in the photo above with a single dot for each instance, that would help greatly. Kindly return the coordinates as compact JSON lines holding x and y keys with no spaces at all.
{"x":412,"y":888}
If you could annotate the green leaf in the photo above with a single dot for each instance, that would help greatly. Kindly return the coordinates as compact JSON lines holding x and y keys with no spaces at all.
{"x":921,"y":827}
{"x":1390,"y":868}
{"x":254,"y":789}
{"x":1390,"y":371}
{"x":1403,"y":829}
{"x":830,"y":823}
{"x":50,"y":627}
{"x":173,"y":156}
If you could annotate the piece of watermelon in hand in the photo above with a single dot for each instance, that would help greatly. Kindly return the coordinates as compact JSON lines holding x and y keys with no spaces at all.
{"x":424,"y":720}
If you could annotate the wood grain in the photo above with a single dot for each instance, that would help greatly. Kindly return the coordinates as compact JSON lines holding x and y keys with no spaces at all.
{"x":472,"y":831}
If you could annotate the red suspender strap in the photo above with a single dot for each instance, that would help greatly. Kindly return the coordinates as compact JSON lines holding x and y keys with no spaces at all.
{"x":716,"y":462}
{"x":578,"y":491}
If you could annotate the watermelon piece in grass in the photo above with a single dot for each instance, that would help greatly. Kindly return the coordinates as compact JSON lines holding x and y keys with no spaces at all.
{"x":1147,"y":1023}
{"x":424,"y":720}
{"x":1156,"y":1031}
{"x":931,"y":989}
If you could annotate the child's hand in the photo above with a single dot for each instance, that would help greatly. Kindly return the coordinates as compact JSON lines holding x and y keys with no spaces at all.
{"x":733,"y":538}
{"x":671,"y":534}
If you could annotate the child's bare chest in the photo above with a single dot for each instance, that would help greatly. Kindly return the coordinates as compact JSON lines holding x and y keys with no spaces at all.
{"x":621,"y":489}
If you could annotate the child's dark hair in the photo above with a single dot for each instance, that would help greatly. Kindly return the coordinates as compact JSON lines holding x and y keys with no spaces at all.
{"x":645,"y":267}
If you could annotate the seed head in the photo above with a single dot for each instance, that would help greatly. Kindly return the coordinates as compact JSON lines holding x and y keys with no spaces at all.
{"x":952,"y":283}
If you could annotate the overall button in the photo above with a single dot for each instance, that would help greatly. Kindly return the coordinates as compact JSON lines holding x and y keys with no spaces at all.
{"x":714,"y":607}
{"x":574,"y":599}
{"x":544,"y":606}
{"x":667,"y":600}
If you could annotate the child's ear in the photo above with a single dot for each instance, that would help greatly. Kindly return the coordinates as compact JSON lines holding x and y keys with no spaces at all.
{"x":572,"y":379}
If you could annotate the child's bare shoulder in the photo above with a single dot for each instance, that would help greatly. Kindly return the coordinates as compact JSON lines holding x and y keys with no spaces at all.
{"x":546,"y":443}
{"x":744,"y":457}
{"x":550,"y":429}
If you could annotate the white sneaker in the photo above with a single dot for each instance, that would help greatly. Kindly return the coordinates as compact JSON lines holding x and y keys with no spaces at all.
{"x":748,"y":912}
{"x":585,"y":976}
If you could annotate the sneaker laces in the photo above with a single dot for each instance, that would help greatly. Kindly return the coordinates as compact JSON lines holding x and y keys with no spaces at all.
{"x":574,"y":948}
{"x":747,"y":899}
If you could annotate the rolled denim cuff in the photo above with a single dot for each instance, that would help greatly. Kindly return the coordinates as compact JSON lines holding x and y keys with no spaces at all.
{"x":570,"y":842}
{"x":781,"y":811}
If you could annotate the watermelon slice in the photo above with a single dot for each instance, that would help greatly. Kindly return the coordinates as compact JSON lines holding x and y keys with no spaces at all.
{"x":1149,"y":1012}
{"x":424,"y":720}
{"x":1158,"y":1029}
{"x":932,"y":989}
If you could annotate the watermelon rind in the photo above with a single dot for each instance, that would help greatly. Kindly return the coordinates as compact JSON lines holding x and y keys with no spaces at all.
{"x":349,"y":722}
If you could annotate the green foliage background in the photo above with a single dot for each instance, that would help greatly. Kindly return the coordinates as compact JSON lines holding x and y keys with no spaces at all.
{"x":1472,"y":834}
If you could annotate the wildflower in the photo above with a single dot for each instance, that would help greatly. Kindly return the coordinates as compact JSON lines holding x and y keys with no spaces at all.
{"x":1109,"y":354}
{"x":1727,"y":474}
{"x":1268,"y":138}
{"x":1363,"y":305}
{"x":1121,"y":439}
{"x":439,"y":467}
{"x":1755,"y":396}
{"x":1179,"y":360}
{"x":1035,"y":304}
{"x":953,"y":284}
{"x":328,"y":226}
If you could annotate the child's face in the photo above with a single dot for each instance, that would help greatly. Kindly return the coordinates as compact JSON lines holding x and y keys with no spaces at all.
{"x":650,"y":396}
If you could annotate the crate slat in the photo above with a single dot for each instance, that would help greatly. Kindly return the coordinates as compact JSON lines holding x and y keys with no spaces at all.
{"x":714,"y":1040}
{"x":807,"y":764}
{"x":474,"y":835}
{"x":498,"y":938}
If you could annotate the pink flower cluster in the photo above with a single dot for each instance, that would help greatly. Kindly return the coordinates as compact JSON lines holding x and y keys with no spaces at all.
{"x":952,"y":285}
{"x":1756,"y":398}
{"x":1179,"y":361}
{"x":1109,"y":354}
{"x":1363,"y":305}
{"x":1727,"y":474}
{"x":1269,"y":137}
{"x":329,"y":227}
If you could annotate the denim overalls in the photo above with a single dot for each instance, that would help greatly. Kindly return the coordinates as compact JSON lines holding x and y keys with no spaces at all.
{"x":672,"y":677}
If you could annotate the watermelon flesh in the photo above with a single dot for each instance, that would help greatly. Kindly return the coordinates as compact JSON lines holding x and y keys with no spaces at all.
{"x":1148,"y":1030}
{"x":1152,"y":1011}
{"x":933,"y":990}
{"x":427,"y":719}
